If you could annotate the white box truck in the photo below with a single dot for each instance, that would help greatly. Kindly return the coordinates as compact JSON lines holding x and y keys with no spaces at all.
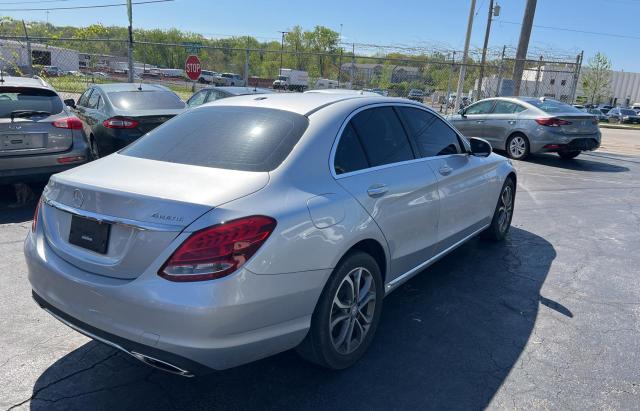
{"x":290,"y":79}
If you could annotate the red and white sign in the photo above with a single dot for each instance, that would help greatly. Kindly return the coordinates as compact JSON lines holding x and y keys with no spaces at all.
{"x":192,"y":67}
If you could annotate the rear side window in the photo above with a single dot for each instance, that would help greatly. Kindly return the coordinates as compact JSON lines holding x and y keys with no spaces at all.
{"x":552,"y":106}
{"x":432,"y":135}
{"x":234,"y":138}
{"x":507,"y":107}
{"x":349,"y":154}
{"x":26,"y":98}
{"x":145,"y":100}
{"x":382,"y":136}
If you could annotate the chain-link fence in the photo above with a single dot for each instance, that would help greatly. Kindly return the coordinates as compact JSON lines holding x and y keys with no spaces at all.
{"x":72,"y":64}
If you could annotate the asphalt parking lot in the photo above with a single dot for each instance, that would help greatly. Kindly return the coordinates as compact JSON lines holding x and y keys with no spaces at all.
{"x":550,"y":319}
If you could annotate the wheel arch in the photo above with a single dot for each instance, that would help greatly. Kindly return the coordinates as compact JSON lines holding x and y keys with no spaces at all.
{"x":513,"y":134}
{"x":374,"y":249}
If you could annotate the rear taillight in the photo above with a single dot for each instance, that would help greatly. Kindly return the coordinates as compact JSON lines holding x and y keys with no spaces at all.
{"x":120,"y":122}
{"x":71,"y":123}
{"x":552,"y":122}
{"x":36,"y":214}
{"x":219,"y":250}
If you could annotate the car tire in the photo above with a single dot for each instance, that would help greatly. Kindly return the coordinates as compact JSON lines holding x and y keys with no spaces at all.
{"x":568,"y":155}
{"x":503,"y":213}
{"x":332,"y":346}
{"x":517,"y":147}
{"x":93,"y":148}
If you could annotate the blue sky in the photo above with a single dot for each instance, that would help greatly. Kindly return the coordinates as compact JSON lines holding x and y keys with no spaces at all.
{"x":408,"y":22}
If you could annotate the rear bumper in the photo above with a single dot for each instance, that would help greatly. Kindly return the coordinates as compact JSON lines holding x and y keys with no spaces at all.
{"x":214,"y":324}
{"x":37,"y":167}
{"x":552,"y":142}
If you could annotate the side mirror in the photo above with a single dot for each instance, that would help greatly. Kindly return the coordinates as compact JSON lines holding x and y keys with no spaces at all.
{"x":480,"y":147}
{"x":70,"y":102}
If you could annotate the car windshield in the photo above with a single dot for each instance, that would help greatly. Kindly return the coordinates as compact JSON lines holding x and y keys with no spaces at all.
{"x":31,"y":99}
{"x":145,"y":100}
{"x":553,"y":106}
{"x":227,"y":75}
{"x":627,"y":112}
{"x":247,"y":138}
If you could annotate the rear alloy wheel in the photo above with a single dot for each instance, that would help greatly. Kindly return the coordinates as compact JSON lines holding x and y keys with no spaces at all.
{"x":347,"y":315}
{"x":503,"y":213}
{"x":517,"y":147}
{"x":568,"y":155}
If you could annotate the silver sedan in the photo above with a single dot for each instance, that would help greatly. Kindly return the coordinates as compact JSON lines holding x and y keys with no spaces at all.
{"x":253,"y":225}
{"x":523,"y":126}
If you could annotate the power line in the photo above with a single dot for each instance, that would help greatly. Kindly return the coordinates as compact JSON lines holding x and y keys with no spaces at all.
{"x":31,"y":2}
{"x":97,"y":6}
{"x":596,"y":33}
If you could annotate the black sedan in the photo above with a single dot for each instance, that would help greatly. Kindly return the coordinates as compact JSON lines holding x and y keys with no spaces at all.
{"x":209,"y":94}
{"x":115,"y":115}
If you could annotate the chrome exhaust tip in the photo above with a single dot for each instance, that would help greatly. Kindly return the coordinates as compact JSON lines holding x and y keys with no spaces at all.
{"x":161,"y":365}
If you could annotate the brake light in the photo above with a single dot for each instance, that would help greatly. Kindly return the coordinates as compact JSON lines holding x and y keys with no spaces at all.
{"x":219,"y":250}
{"x":552,"y":122}
{"x":71,"y":123}
{"x":36,"y":214}
{"x":120,"y":122}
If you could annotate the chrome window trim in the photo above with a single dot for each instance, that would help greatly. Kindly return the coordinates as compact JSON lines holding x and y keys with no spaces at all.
{"x":336,"y":140}
{"x":138,"y":225}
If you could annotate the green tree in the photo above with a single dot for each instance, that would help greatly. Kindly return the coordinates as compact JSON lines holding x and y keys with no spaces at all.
{"x":597,"y":78}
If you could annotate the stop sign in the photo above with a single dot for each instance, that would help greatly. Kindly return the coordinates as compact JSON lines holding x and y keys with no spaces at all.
{"x":192,"y":67}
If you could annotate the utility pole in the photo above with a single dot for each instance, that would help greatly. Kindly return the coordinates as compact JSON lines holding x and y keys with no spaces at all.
{"x":29,"y":55}
{"x":492,"y":12}
{"x":282,"y":50}
{"x":465,"y":54}
{"x":130,"y":45}
{"x":523,"y":44}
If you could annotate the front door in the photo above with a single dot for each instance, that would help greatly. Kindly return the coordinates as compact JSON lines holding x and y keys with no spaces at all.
{"x":471,"y":122}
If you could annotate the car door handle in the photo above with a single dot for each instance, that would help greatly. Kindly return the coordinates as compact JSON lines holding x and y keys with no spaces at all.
{"x":512,"y":122}
{"x":377,"y":190}
{"x":445,"y":170}
{"x":479,"y":121}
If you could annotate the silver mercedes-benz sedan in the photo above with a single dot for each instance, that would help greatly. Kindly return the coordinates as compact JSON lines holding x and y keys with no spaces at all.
{"x":528,"y":125}
{"x":256,"y":224}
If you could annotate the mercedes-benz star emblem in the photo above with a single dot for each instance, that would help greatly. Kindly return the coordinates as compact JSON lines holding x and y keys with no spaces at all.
{"x":78,"y":198}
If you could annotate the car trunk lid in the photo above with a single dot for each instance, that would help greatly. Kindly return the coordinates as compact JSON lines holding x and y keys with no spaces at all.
{"x":35,"y":135}
{"x":145,"y":203}
{"x":579,"y":123}
{"x":148,"y":119}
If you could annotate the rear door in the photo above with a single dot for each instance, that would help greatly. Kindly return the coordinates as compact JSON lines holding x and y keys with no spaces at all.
{"x":501,"y":122}
{"x":471,"y":124}
{"x":465,"y":183}
{"x":24,"y":134}
{"x":375,"y":162}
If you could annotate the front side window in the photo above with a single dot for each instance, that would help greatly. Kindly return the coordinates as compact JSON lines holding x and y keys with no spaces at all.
{"x":481,"y":107}
{"x":84,"y":98}
{"x":382,"y":136}
{"x":432,"y":135}
{"x":197,"y":99}
{"x":94,"y":100}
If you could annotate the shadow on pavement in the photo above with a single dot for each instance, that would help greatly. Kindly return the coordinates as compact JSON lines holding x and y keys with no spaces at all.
{"x":447,"y":340}
{"x":579,"y":163}
{"x":9,"y":212}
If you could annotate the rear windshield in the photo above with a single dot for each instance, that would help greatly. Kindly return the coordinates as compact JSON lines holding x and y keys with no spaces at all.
{"x":234,"y":138}
{"x":25,"y":98}
{"x":145,"y":100}
{"x":553,"y":106}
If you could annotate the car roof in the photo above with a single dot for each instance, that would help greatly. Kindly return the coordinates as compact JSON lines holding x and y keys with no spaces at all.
{"x":239,"y":91}
{"x":24,"y":82}
{"x":114,"y":87}
{"x":300,"y":103}
{"x":342,"y":91}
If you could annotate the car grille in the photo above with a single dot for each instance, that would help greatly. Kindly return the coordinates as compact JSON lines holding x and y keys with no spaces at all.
{"x":583,"y":144}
